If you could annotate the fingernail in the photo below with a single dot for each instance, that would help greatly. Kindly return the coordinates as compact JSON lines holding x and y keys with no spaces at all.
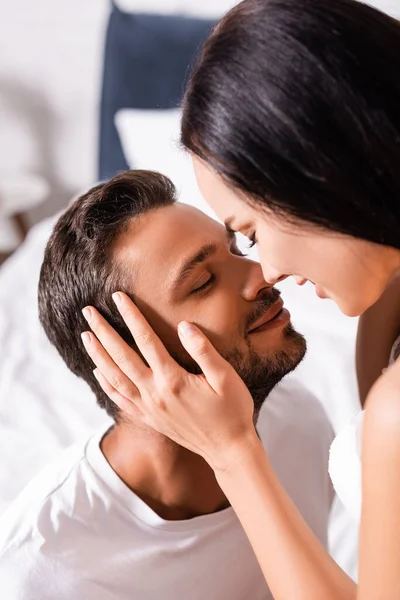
{"x":117,"y":298}
{"x":87,"y":313}
{"x":186,"y":329}
{"x":96,"y":374}
{"x":85,"y":338}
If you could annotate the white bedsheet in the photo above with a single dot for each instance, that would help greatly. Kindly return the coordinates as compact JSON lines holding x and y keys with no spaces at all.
{"x":44,"y":408}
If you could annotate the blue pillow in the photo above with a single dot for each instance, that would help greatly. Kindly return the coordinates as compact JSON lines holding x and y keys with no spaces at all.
{"x":147,"y":61}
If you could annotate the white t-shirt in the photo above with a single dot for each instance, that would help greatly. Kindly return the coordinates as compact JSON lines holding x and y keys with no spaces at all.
{"x":77,"y":532}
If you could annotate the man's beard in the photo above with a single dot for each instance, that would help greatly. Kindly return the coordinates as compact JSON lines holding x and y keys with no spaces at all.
{"x":262,"y":373}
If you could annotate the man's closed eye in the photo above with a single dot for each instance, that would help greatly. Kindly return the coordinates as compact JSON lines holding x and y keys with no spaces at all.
{"x":206,"y":285}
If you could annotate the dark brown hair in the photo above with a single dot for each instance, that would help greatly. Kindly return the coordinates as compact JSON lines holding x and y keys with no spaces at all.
{"x":296,"y":103}
{"x":79,"y":267}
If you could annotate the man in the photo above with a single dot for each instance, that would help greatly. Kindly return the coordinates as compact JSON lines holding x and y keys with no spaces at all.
{"x":129,"y":514}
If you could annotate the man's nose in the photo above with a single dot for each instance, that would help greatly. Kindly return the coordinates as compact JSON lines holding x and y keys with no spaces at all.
{"x":255,"y":283}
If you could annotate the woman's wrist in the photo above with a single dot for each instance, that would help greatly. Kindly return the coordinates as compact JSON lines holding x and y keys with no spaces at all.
{"x":234,"y":453}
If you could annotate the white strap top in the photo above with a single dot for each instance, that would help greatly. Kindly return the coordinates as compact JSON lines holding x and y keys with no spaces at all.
{"x":345,"y":458}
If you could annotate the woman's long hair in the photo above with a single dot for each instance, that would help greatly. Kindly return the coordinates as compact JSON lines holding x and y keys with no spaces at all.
{"x":296,"y":103}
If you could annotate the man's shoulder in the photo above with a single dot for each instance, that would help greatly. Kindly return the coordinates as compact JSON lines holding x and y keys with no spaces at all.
{"x":35,"y":506}
{"x":297,"y":435}
{"x":293,"y":410}
{"x":29,"y":575}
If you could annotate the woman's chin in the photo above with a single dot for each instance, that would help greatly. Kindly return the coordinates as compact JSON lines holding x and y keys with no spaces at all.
{"x":354,"y":307}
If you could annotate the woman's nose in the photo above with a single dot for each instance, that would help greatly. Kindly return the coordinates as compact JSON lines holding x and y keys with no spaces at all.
{"x":281,"y":278}
{"x":272,"y":276}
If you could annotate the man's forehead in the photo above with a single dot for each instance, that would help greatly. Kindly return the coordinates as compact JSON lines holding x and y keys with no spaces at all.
{"x":193,"y":215}
{"x":157,"y":242}
{"x":161,"y":226}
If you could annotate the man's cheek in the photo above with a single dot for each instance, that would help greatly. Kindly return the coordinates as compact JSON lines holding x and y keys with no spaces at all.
{"x":168,"y":334}
{"x":164,"y":327}
{"x":223,"y":336}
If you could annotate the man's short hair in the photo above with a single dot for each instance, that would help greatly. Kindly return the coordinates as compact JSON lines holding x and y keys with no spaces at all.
{"x":80,"y":268}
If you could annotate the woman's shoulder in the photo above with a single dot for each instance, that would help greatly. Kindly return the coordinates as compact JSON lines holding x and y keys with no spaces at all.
{"x":381,"y":436}
{"x":383,"y":403}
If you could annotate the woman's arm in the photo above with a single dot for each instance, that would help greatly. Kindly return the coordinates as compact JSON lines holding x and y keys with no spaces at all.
{"x":377,"y":331}
{"x":294,"y":562}
{"x":212,"y":415}
{"x":379,"y":569}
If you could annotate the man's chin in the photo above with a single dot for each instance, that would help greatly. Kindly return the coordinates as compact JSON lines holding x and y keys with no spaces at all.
{"x":287,"y":356}
{"x":260,"y":373}
{"x":264,"y":373}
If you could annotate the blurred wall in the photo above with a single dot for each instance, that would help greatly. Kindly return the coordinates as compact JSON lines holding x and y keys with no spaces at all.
{"x":392,"y":7}
{"x":50,"y":73}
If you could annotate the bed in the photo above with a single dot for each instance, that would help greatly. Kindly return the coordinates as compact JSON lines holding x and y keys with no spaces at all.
{"x":43,"y":407}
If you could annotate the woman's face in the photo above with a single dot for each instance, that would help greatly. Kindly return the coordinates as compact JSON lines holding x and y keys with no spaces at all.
{"x":352,"y":272}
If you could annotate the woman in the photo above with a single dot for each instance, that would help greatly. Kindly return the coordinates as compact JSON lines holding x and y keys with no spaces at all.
{"x":292,"y":116}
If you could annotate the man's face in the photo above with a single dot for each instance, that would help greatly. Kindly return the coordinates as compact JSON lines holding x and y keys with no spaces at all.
{"x":182,"y":265}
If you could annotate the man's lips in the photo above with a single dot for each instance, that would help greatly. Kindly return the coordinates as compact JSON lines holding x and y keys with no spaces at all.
{"x":268,"y":316}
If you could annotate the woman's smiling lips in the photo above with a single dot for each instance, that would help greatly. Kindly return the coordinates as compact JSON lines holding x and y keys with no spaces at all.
{"x":276,"y":316}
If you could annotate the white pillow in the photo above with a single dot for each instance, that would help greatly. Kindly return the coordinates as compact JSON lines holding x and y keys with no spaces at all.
{"x":391,"y":7}
{"x":216,"y":8}
{"x":150,"y":140}
{"x":205,"y":9}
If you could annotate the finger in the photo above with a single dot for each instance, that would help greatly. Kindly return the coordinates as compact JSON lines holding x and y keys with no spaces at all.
{"x":146,"y":339}
{"x":118,"y":380}
{"x":214,"y":367}
{"x":121,"y":353}
{"x":126,"y":406}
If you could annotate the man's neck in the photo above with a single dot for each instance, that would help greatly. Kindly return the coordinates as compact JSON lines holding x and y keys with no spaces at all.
{"x":174,"y":482}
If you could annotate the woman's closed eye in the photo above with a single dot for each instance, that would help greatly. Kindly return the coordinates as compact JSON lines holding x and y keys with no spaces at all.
{"x":252,"y":239}
{"x":250,"y":242}
{"x":233,"y":249}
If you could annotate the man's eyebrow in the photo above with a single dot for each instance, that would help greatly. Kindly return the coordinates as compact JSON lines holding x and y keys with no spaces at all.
{"x":199,"y":257}
{"x":190,"y":264}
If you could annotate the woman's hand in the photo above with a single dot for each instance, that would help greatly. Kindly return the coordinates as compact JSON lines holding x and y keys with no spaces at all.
{"x":210,"y":414}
